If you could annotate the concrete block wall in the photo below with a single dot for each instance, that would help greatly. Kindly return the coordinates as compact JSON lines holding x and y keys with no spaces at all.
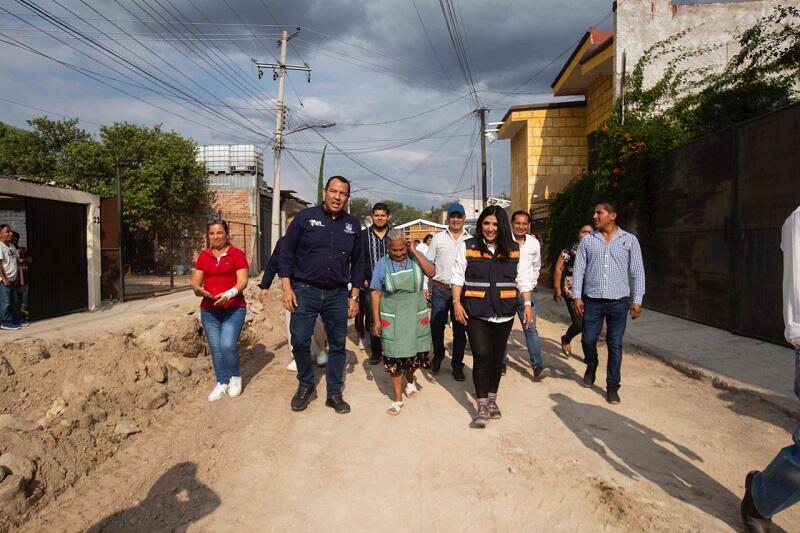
{"x":599,"y":102}
{"x":15,"y":217}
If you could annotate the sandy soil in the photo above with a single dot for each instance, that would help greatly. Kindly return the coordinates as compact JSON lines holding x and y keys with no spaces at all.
{"x":671,"y":457}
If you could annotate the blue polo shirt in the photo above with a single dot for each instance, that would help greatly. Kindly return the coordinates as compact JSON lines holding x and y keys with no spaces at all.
{"x":323,"y":251}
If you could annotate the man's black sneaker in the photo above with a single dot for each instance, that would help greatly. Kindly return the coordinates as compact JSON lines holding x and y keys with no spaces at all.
{"x":588,"y":376}
{"x":458,"y":373}
{"x":374,"y":358}
{"x":540,"y":372}
{"x":494,"y":411}
{"x":302,"y":398}
{"x":612,"y":396}
{"x":752,"y":520}
{"x":339,"y":405}
{"x":436,"y":364}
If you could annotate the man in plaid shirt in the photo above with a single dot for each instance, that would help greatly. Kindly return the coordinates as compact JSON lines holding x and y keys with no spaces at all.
{"x":608,"y":280}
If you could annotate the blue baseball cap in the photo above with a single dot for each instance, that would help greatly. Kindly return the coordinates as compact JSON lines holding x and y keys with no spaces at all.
{"x":456,"y":208}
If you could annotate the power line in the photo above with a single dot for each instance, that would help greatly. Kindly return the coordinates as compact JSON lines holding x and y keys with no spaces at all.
{"x":430,"y":42}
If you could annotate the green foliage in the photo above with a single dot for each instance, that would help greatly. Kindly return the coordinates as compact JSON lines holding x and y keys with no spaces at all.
{"x":361,"y":208}
{"x":162,"y":183}
{"x":681,"y":105}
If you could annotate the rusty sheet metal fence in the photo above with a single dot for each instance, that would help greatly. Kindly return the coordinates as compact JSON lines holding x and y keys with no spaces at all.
{"x":713,"y":253}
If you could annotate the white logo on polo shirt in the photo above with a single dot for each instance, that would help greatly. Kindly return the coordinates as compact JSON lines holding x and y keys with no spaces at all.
{"x":348,"y":228}
{"x":316,"y":223}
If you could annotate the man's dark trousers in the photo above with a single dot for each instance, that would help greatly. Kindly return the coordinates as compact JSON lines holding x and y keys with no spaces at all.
{"x":331,"y":305}
{"x":615,"y":315}
{"x":441,"y":306}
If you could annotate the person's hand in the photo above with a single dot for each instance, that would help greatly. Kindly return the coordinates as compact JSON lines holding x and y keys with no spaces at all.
{"x":410,"y":243}
{"x":529,"y":318}
{"x":578,"y":303}
{"x":460,"y":313}
{"x":636,"y":310}
{"x":427,"y":294}
{"x":376,"y":328}
{"x":557,"y":295}
{"x":220,"y":299}
{"x":7,"y":282}
{"x":366,"y":284}
{"x":263,"y":296}
{"x":289,"y":300}
{"x":352,"y":308}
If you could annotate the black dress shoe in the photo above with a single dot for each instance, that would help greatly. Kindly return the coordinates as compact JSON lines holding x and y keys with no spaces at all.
{"x":540,"y":372}
{"x":302,"y":398}
{"x":458,"y":374}
{"x":612,"y":396}
{"x":339,"y":405}
{"x":588,"y":376}
{"x":752,"y":520}
{"x":436,"y":364}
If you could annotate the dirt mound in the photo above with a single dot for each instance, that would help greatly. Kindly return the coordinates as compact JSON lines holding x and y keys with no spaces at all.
{"x":67,"y":406}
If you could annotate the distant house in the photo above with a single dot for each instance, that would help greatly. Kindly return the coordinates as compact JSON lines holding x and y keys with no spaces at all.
{"x":552,"y":143}
{"x":420,"y":227}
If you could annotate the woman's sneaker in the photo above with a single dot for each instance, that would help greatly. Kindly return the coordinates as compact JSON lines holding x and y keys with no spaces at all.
{"x":218,"y":392}
{"x":235,"y":387}
{"x":480,"y":419}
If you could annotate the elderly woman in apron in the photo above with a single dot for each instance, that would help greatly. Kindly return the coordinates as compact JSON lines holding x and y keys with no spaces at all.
{"x":397,"y":282}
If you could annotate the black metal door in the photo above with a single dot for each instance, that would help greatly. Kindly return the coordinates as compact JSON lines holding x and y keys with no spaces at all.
{"x":57,"y":245}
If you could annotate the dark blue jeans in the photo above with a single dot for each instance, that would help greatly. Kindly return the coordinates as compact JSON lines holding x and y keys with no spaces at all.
{"x":778,"y":485}
{"x":8,"y":305}
{"x":222,"y":327}
{"x":615,"y":315}
{"x":331,"y":305}
{"x":441,"y":305}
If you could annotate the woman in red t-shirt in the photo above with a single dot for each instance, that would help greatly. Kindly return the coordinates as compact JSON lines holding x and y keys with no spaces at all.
{"x":220,"y":276}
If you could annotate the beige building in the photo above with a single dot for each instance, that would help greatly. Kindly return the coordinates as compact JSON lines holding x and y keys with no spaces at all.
{"x":551,"y":144}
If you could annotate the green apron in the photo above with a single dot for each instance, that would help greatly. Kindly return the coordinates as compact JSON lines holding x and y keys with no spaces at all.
{"x":405,"y":331}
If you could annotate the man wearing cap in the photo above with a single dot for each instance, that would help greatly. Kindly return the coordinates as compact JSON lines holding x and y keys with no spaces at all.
{"x":442,"y":253}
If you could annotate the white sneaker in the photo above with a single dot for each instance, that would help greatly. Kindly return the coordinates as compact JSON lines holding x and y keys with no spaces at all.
{"x":235,"y":387}
{"x":218,"y":392}
{"x":322,"y":358}
{"x":292,"y":366}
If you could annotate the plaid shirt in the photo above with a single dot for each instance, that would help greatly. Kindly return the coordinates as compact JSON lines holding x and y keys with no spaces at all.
{"x":609,"y":269}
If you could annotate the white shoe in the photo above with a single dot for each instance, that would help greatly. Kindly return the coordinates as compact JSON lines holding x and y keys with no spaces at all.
{"x":361,"y":344}
{"x":322,"y":358}
{"x":235,"y":387}
{"x":218,"y":392}
{"x":292,"y":366}
{"x":411,"y":389}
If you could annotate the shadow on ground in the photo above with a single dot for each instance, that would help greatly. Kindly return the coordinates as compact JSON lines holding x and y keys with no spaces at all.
{"x":637,"y":451}
{"x":174,"y":502}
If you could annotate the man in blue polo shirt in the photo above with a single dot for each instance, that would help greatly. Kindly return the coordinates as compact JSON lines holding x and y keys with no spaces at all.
{"x":321,"y":254}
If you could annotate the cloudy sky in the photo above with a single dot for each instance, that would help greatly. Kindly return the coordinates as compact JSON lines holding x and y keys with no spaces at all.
{"x":386,"y":71}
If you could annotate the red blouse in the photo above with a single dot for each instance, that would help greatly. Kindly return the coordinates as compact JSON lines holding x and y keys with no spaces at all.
{"x":219,"y":275}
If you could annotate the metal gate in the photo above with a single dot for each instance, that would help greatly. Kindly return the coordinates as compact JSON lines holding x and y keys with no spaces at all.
{"x":57,"y":244}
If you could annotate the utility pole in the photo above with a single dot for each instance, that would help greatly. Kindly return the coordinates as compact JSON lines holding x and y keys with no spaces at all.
{"x":482,"y":111}
{"x":279,"y":73}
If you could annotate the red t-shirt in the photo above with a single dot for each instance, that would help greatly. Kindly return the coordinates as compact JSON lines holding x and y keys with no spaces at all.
{"x":219,"y":275}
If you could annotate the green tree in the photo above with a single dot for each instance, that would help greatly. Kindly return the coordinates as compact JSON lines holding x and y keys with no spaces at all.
{"x":360,"y":208}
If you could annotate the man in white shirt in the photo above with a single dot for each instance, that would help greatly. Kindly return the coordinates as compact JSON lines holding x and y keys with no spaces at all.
{"x":9,"y":265}
{"x":530,"y":254}
{"x":777,"y":487}
{"x":442,"y":253}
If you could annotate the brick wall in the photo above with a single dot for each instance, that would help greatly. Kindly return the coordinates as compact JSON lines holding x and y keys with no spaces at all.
{"x":238,"y":208}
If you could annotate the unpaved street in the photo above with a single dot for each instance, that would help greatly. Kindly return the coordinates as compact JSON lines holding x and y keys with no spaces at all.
{"x":671,"y":457}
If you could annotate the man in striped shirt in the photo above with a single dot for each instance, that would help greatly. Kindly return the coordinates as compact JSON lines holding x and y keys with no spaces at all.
{"x":608,"y":280}
{"x":375,"y":246}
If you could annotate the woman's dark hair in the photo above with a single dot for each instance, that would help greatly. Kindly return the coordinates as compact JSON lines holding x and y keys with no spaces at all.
{"x":504,"y":238}
{"x":427,"y":238}
{"x":218,"y":223}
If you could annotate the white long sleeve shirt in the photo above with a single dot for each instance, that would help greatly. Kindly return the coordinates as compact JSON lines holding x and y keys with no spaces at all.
{"x":530,"y":252}
{"x":790,"y":245}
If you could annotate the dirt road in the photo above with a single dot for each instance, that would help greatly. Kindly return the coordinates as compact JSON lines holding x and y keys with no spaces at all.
{"x":671,"y":457}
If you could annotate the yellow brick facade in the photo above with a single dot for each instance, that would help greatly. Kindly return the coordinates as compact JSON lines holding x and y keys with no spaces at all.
{"x":599,"y":102}
{"x":551,"y":143}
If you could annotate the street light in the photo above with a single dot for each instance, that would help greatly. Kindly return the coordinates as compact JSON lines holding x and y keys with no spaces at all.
{"x":275,"y":232}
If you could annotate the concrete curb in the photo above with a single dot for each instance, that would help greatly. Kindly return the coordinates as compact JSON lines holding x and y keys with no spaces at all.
{"x":785,"y":405}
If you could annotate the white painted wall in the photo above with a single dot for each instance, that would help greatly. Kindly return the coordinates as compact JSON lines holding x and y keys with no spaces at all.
{"x":641,"y":23}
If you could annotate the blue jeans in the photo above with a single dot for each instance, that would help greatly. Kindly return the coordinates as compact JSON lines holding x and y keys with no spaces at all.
{"x":778,"y":486}
{"x":531,"y":334}
{"x":331,"y":305}
{"x":374,"y":342}
{"x":441,"y":305}
{"x":615,"y":315}
{"x":222,"y":327}
{"x":8,"y":305}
